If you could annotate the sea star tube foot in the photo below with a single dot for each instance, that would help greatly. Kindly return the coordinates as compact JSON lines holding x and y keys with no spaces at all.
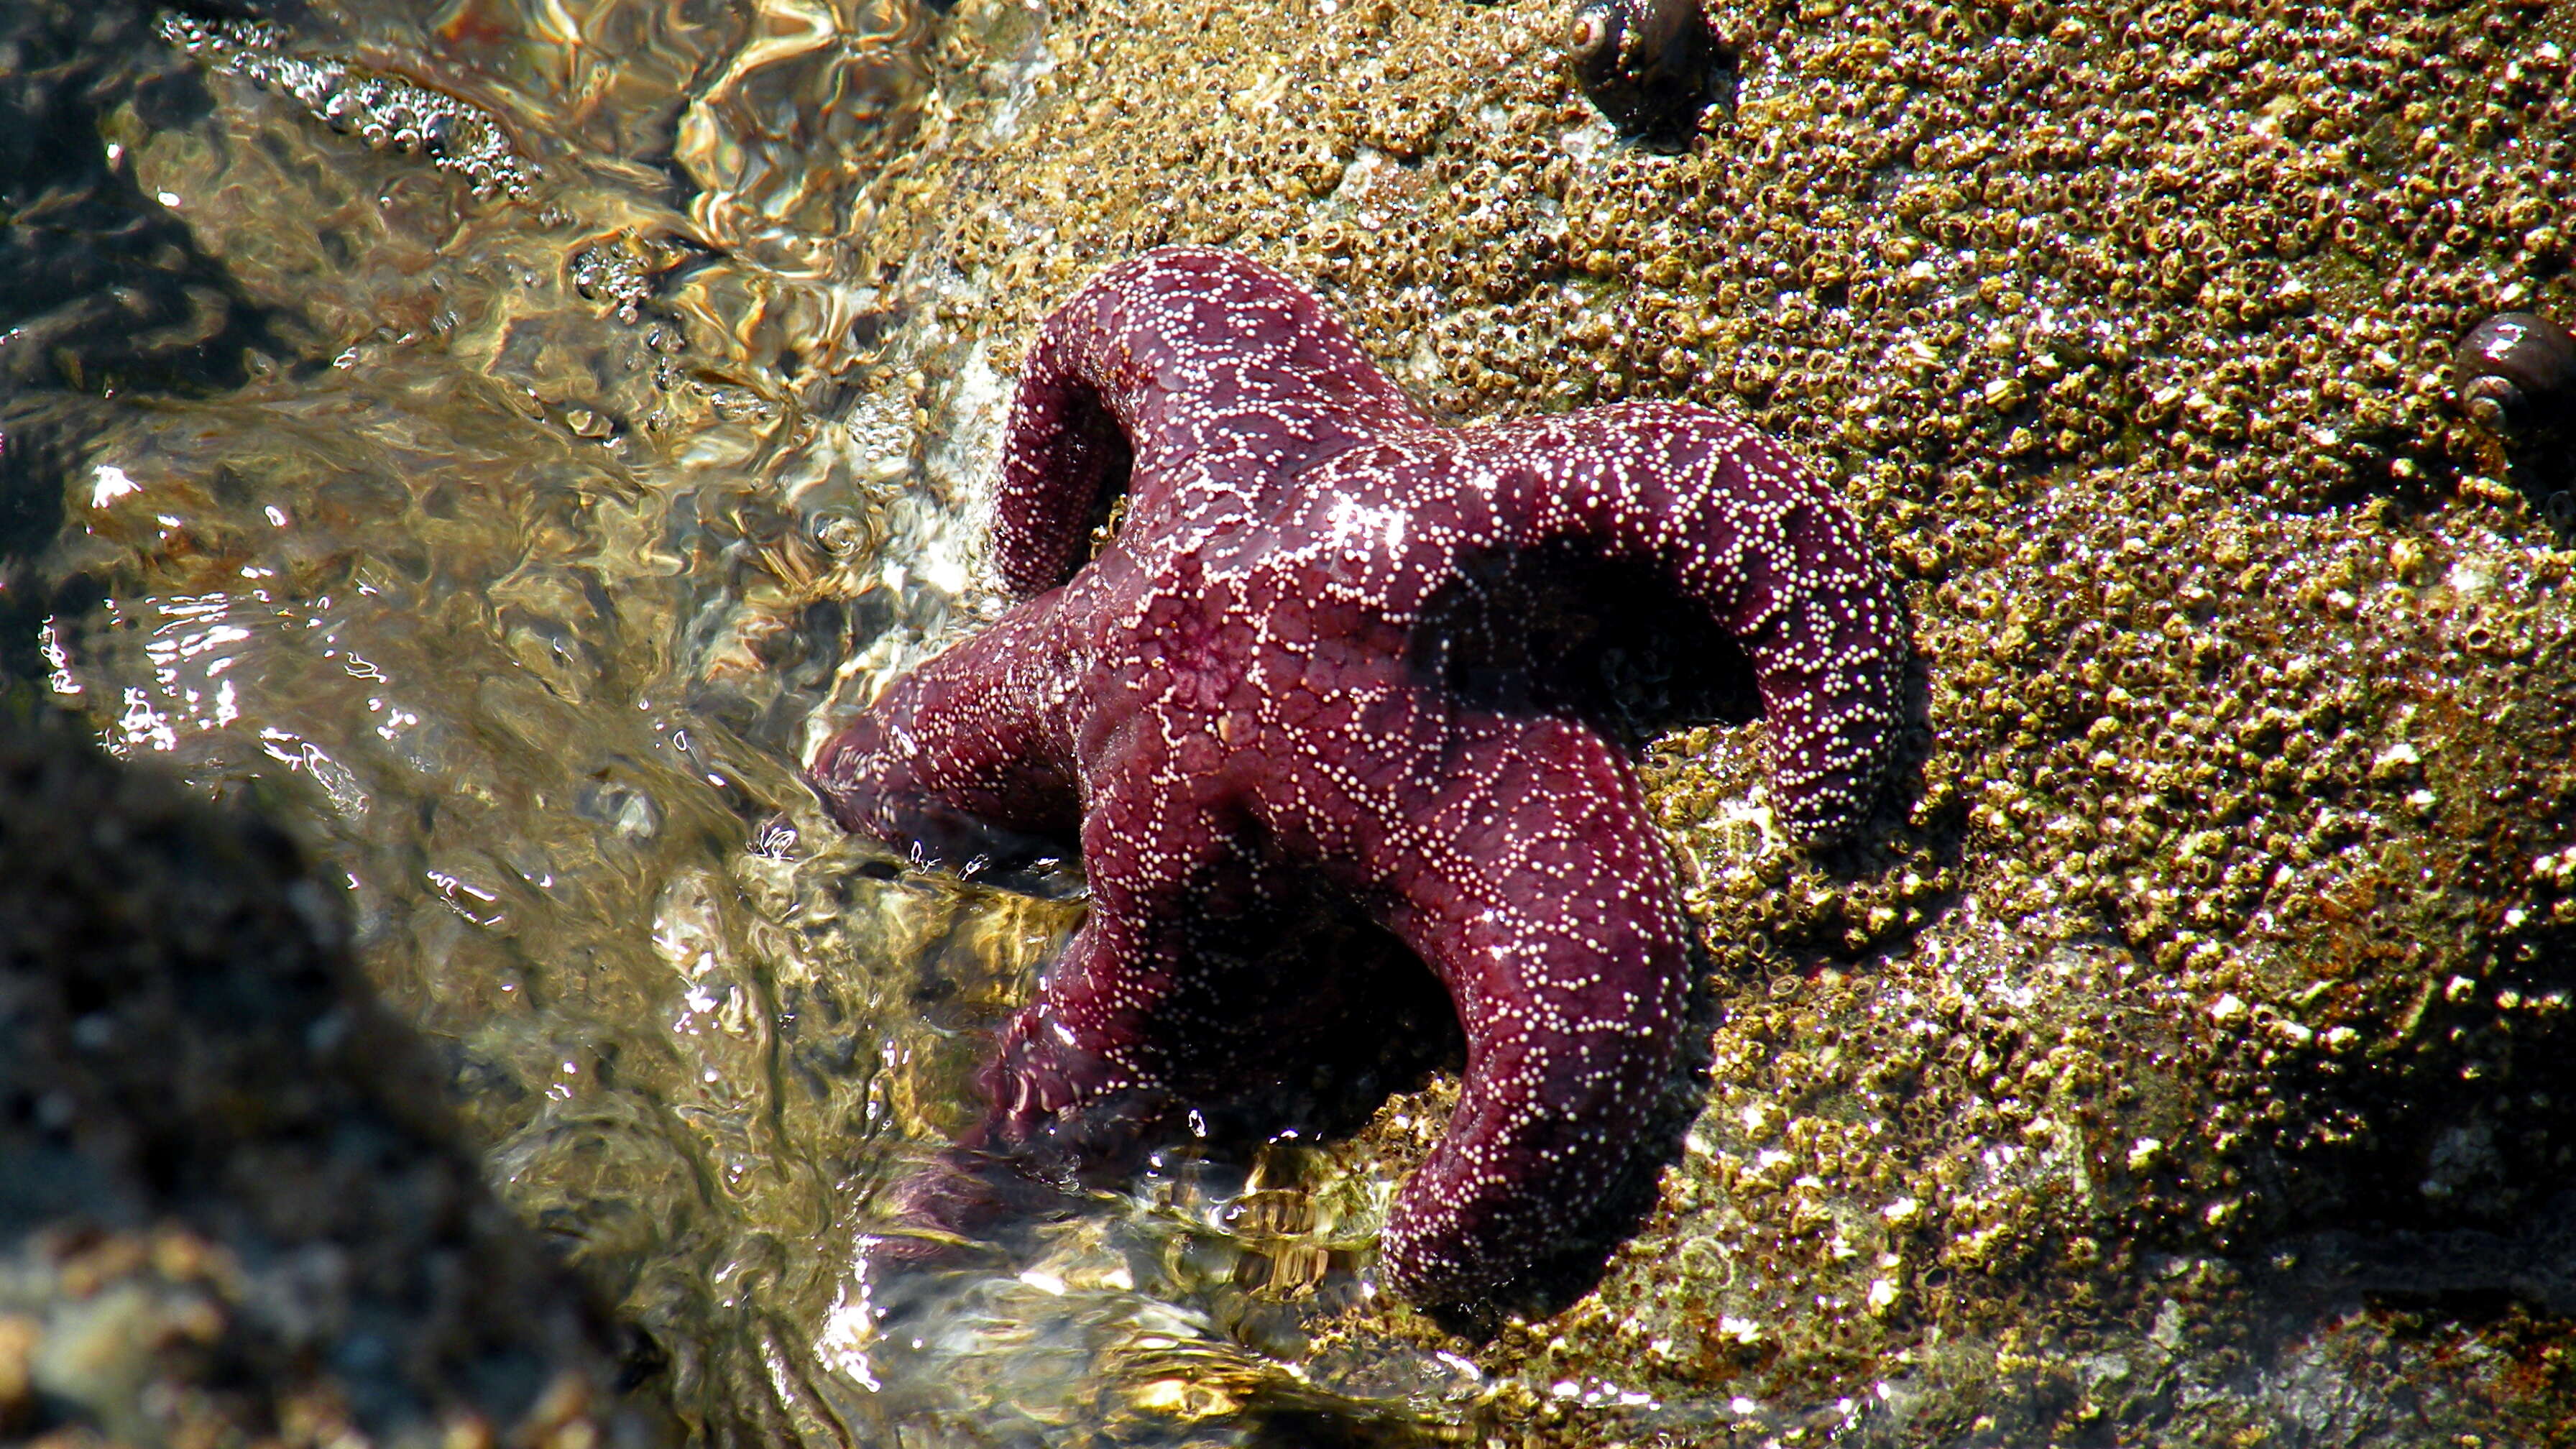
{"x":1263,"y":694}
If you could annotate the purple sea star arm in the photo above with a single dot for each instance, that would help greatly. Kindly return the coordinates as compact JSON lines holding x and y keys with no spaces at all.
{"x":964,"y":756}
{"x":1738,"y":528}
{"x":1150,"y":996}
{"x":1537,"y":891}
{"x":1084,"y":1063}
{"x":1201,"y":375}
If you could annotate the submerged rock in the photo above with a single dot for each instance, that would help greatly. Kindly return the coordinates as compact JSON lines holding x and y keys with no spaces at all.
{"x":229,"y":1210}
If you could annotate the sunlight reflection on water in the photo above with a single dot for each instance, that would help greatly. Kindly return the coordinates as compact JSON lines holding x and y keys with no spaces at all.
{"x":543,"y":478}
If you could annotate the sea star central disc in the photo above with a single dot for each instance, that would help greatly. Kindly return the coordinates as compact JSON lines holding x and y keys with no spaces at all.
{"x":1263,"y":688}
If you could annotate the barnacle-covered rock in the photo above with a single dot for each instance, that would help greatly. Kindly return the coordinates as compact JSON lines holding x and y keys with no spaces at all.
{"x":2187,"y":1060}
{"x":2130,"y":334}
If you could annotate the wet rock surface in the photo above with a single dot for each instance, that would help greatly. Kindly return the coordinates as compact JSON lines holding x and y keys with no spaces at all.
{"x":2181,"y":1060}
{"x":2231,"y":906}
{"x":230,"y":1208}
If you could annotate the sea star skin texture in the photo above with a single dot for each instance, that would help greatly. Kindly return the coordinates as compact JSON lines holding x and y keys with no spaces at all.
{"x":1276,"y":683}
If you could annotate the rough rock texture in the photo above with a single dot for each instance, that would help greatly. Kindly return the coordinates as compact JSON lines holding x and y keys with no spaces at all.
{"x":2235,"y":906}
{"x":229,"y":1210}
{"x":2187,"y":1063}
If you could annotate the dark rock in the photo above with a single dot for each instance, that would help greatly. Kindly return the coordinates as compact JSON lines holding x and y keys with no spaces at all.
{"x":230,"y":1209}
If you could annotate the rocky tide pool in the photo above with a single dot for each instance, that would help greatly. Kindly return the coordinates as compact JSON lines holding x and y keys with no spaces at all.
{"x":499,"y":442}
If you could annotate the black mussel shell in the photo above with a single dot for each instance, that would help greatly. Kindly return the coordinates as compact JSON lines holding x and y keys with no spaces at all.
{"x":2516,"y":372}
{"x":1649,"y":66}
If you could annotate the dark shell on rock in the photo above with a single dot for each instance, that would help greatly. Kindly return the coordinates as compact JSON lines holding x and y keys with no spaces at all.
{"x":2516,"y":372}
{"x":1649,"y":66}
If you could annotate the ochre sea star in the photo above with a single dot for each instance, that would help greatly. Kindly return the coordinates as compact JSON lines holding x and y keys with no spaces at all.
{"x":1293,"y":674}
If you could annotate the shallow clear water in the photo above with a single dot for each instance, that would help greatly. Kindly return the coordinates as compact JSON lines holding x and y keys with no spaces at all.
{"x":479,"y":445}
